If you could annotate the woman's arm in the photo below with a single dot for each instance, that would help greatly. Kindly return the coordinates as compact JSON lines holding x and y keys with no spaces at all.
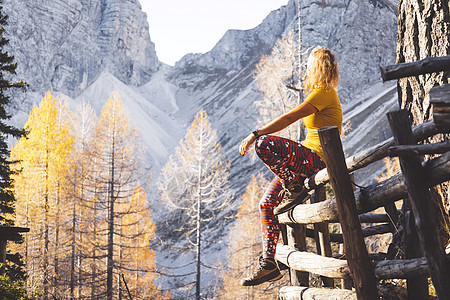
{"x":301,"y":111}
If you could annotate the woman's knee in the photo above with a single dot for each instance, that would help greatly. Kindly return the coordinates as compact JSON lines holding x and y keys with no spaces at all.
{"x":262,"y":145}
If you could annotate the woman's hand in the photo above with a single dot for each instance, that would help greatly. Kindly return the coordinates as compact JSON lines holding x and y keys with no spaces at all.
{"x":246,"y":143}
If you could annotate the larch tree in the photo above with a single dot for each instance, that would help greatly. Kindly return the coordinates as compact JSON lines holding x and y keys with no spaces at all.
{"x":44,"y":158}
{"x":244,"y":245}
{"x":114,"y":159}
{"x":278,"y":77}
{"x":194,"y":187}
{"x":83,"y":214}
{"x":137,"y":259}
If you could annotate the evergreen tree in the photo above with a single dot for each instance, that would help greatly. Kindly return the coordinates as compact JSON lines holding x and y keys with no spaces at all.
{"x":10,"y":286}
{"x":7,"y":70}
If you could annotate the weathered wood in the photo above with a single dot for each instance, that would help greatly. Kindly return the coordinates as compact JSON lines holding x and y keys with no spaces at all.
{"x":421,"y":67}
{"x":401,"y":268}
{"x":377,"y":256}
{"x":367,"y":231}
{"x":338,"y":268}
{"x":373,"y":218}
{"x":313,"y":263}
{"x":416,"y":285}
{"x":2,"y":255}
{"x":322,"y":234}
{"x":440,"y":95}
{"x":306,"y":293}
{"x":425,"y":218}
{"x":355,"y":248}
{"x":392,"y":213}
{"x":436,"y":148}
{"x":435,"y":171}
{"x":296,"y":236}
{"x":372,"y":154}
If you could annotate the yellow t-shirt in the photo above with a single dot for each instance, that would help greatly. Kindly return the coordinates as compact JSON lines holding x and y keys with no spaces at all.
{"x":329,"y":114}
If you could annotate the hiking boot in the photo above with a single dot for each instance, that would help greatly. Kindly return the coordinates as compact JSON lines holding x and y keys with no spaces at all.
{"x":267,"y":271}
{"x":294,"y":194}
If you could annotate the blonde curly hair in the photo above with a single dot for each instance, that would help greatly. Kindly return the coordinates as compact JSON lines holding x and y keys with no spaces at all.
{"x":322,"y":70}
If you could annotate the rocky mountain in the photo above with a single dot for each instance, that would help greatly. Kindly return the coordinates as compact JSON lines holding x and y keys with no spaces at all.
{"x":84,"y":50}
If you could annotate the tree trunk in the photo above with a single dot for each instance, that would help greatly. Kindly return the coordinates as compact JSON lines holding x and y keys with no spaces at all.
{"x":110,"y":261}
{"x":423,"y":31}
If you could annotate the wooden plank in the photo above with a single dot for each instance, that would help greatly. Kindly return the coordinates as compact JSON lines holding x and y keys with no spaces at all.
{"x":296,"y":236}
{"x":415,"y":285}
{"x":373,"y":218}
{"x":372,"y":154}
{"x":421,"y":67}
{"x":338,"y":268}
{"x":436,"y":171}
{"x":436,"y":148}
{"x":322,"y":234}
{"x":355,"y":248}
{"x":367,"y":231}
{"x":440,"y":95}
{"x":424,"y":214}
{"x":306,"y":293}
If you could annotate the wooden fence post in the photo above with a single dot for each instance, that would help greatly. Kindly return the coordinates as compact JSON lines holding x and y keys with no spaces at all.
{"x":322,"y":234}
{"x":296,"y":236}
{"x":355,"y":248}
{"x":424,"y":214}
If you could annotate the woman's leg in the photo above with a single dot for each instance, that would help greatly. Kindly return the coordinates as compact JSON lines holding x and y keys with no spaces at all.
{"x":269,"y":222}
{"x":289,"y":160}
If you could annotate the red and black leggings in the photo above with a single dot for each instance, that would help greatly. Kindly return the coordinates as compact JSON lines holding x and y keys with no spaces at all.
{"x":289,"y":161}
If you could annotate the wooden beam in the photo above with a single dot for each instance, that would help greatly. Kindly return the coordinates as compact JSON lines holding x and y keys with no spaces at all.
{"x":371,"y":154}
{"x":436,"y":171}
{"x":421,"y":203}
{"x":440,"y":100}
{"x":307,"y":293}
{"x":296,"y":236}
{"x":322,"y":234}
{"x":415,"y":285}
{"x":436,"y":148}
{"x":367,"y":231}
{"x":373,"y":218}
{"x":421,"y":67}
{"x":338,"y":268}
{"x":355,"y":248}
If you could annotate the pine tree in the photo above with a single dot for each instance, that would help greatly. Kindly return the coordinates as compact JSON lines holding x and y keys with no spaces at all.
{"x":193,"y":185}
{"x":7,"y":70}
{"x":10,"y":287}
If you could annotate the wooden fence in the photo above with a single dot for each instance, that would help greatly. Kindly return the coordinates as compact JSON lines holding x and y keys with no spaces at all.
{"x":360,"y":271}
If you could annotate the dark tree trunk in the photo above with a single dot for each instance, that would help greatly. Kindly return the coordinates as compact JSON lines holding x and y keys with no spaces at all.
{"x":424,"y":31}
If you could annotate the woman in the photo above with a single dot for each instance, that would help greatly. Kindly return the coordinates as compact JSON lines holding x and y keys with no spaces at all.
{"x":290,"y":161}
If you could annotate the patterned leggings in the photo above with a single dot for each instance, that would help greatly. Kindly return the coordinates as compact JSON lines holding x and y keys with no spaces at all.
{"x":289,"y":161}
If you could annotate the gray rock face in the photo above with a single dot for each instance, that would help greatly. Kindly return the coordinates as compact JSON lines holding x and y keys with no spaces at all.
{"x":362,"y":34}
{"x":63,"y":45}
